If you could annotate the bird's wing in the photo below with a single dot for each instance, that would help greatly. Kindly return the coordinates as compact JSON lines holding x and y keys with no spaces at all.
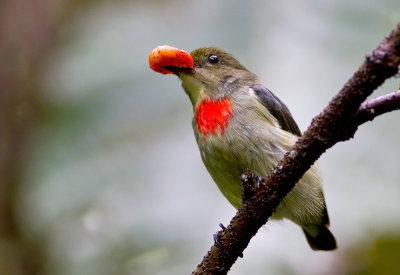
{"x":277,"y":108}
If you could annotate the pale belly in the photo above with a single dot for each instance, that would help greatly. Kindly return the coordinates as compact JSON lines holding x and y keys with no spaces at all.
{"x":228,"y":157}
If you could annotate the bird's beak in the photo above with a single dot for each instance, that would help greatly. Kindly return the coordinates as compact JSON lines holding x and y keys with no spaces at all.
{"x":169,"y":60}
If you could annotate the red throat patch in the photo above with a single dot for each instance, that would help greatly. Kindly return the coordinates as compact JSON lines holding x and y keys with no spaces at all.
{"x":213,"y":115}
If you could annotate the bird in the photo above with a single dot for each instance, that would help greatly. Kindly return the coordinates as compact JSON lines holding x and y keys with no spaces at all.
{"x":241,"y":125}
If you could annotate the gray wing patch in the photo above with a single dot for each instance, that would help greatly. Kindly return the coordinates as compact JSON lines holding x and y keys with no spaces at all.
{"x":277,"y":108}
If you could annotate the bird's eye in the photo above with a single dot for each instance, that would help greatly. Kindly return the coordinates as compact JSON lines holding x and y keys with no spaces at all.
{"x":213,"y":59}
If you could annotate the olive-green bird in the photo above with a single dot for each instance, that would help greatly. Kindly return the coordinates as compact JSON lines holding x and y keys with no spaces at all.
{"x":239,"y":124}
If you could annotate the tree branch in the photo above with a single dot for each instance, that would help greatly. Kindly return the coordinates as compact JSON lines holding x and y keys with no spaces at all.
{"x":378,"y":106}
{"x":338,"y":122}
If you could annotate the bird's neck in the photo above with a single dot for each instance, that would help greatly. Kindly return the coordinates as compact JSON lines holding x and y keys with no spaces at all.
{"x":212,"y":116}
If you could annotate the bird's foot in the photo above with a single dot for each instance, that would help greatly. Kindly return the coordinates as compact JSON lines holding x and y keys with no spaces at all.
{"x":251,"y":182}
{"x":217,"y":235}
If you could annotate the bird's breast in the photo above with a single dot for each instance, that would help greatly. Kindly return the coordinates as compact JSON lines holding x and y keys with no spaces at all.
{"x":212,"y":116}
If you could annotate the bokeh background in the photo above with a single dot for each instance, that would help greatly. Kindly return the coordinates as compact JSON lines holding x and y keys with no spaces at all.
{"x":99,"y":170}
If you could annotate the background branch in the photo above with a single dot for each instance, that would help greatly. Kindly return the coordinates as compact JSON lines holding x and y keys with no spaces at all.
{"x":338,"y":122}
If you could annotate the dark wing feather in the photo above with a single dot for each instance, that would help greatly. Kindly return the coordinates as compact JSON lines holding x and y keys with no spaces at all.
{"x":277,"y":108}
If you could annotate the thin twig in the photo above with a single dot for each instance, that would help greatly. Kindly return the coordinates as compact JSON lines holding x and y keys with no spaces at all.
{"x":378,"y":106}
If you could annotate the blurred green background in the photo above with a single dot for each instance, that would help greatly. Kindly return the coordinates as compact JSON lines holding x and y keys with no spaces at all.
{"x":99,"y":170}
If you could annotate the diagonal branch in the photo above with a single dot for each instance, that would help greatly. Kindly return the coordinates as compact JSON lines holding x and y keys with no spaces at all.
{"x":337,"y":122}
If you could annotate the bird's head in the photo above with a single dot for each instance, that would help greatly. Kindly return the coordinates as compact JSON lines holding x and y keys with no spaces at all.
{"x":206,"y":73}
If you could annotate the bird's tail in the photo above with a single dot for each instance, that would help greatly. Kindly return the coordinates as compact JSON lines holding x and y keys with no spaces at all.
{"x":319,"y":237}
